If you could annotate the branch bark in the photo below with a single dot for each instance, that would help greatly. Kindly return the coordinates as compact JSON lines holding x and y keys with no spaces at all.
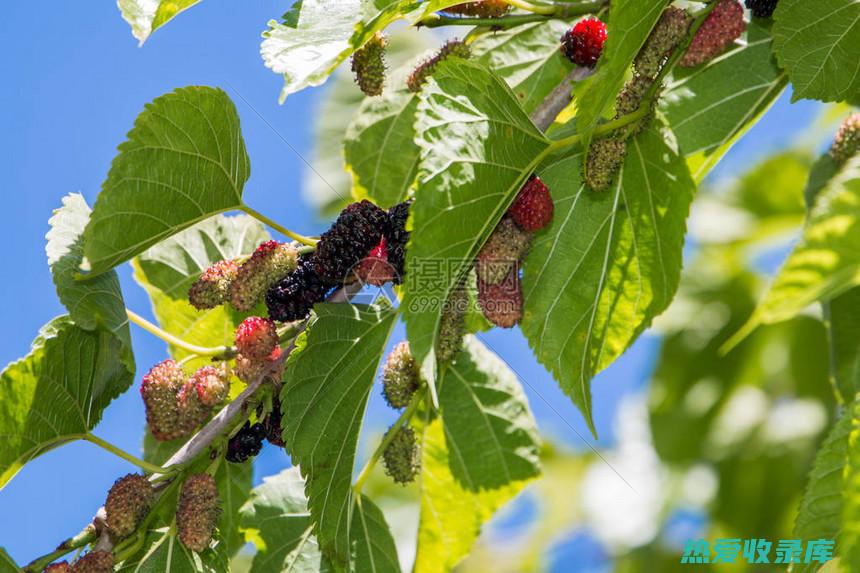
{"x":558,"y":99}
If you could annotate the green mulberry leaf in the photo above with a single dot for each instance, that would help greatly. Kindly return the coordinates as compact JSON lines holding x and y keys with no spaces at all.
{"x":327,"y":383}
{"x":146,"y":16}
{"x":487,"y":421}
{"x":183,"y":162}
{"x":711,"y":106}
{"x":162,"y":551}
{"x":451,"y":515}
{"x":818,"y":44}
{"x":57,"y":393}
{"x":478,"y":147}
{"x":609,"y":262}
{"x":92,"y":303}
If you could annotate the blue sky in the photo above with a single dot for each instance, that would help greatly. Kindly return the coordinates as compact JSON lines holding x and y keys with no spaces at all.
{"x":74,"y":80}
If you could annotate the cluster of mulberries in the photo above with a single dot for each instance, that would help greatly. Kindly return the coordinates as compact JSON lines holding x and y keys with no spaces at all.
{"x":605,"y":157}
{"x":762,"y":8}
{"x":497,"y":264}
{"x":246,"y":444}
{"x":425,"y":69}
{"x":402,"y":455}
{"x":400,"y":376}
{"x":243,"y":285}
{"x":293,"y":297}
{"x":481,"y":8}
{"x":92,"y":562}
{"x":365,"y":241}
{"x":176,"y":404}
{"x":356,"y":231}
{"x":847,"y":141}
{"x":724,"y":25}
{"x":583,"y":43}
{"x":197,"y":511}
{"x":368,"y":65}
{"x":664,"y":38}
{"x":128,"y":501}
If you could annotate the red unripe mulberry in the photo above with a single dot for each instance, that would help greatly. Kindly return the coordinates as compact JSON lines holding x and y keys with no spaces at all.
{"x":724,"y":25}
{"x":256,"y":337}
{"x":583,"y":43}
{"x":268,"y":264}
{"x":532,"y":209}
{"x":502,"y":304}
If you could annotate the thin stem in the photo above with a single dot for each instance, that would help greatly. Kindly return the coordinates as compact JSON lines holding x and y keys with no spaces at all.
{"x":87,"y":535}
{"x":602,"y":128}
{"x":533,"y":8}
{"x":283,"y":230}
{"x":146,"y":466}
{"x":174,"y":340}
{"x":562,"y":11}
{"x":439,"y":20}
{"x":387,"y":439}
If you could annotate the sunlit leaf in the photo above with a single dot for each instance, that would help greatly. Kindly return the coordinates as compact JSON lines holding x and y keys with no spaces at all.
{"x":183,"y":162}
{"x":93,"y":303}
{"x":326,"y":386}
{"x":711,"y":106}
{"x":826,"y":262}
{"x":57,"y":393}
{"x":451,"y":516}
{"x":818,"y":44}
{"x":146,"y":16}
{"x":488,"y":425}
{"x":478,"y":146}
{"x":609,"y":262}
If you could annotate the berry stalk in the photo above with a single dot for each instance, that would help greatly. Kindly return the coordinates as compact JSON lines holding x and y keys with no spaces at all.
{"x":216,"y":351}
{"x":557,"y":11}
{"x":283,"y":230}
{"x":119,"y":452}
{"x":386,"y":440}
{"x":85,"y":537}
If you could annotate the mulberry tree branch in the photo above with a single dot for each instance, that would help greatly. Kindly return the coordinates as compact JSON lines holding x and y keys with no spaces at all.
{"x":217,"y":427}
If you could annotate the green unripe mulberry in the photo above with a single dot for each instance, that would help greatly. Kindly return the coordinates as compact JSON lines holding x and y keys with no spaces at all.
{"x":502,"y":252}
{"x":452,"y":325}
{"x":197,"y":512}
{"x":400,"y":378}
{"x":401,"y":456}
{"x":419,"y":75}
{"x":128,"y":501}
{"x":368,"y":65}
{"x":664,"y":38}
{"x":605,"y":158}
